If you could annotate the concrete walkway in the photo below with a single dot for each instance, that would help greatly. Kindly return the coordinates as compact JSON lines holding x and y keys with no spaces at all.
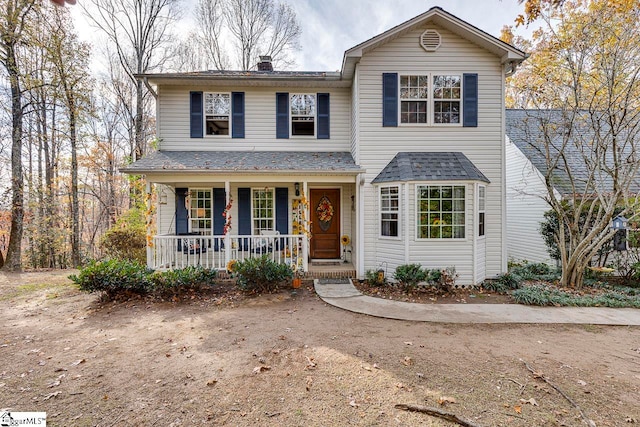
{"x":346,"y":296}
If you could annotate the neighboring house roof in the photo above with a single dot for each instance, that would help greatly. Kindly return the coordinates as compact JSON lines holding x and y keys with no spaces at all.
{"x":245,"y":162}
{"x":444,"y":19}
{"x":529,"y":129}
{"x":430,"y":166}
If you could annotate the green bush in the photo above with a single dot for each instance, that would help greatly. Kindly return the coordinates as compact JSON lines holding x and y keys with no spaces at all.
{"x":261,"y":274}
{"x":409,"y":275}
{"x":114,"y":277}
{"x":174,"y":282}
{"x":503,"y":283}
{"x":549,"y":296}
{"x":127,"y":239}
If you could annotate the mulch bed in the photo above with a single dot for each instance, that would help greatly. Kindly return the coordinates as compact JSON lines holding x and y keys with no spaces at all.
{"x":431,"y":295}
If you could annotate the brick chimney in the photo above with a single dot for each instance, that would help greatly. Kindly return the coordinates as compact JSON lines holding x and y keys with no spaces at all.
{"x":265,"y":64}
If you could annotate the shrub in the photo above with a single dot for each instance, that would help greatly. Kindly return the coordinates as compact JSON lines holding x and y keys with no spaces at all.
{"x":409,"y":275}
{"x":371,"y":277}
{"x":127,"y":239}
{"x":503,"y":283}
{"x":261,"y":274}
{"x":114,"y":277}
{"x":544,"y":295}
{"x":174,"y":282}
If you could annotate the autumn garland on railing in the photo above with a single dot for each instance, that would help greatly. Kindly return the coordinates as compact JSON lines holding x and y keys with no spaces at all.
{"x":149,"y":217}
{"x":226,"y":214}
{"x":304,"y":226}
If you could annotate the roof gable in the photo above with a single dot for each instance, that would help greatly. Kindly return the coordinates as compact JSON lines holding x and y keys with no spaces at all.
{"x":439,"y":17}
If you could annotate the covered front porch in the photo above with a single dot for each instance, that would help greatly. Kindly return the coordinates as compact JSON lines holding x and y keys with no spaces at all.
{"x":299,"y":211}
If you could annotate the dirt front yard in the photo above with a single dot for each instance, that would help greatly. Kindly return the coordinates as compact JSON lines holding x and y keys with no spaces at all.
{"x":289,"y":359}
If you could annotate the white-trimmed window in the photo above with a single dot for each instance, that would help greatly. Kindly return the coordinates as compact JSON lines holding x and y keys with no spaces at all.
{"x":446,"y":99}
{"x":303,"y":114}
{"x":482,"y":190}
{"x":200,"y":211}
{"x":431,"y":99}
{"x":262,"y":210}
{"x":414,"y":99}
{"x":440,"y":211}
{"x":217,"y":113}
{"x":389,"y":211}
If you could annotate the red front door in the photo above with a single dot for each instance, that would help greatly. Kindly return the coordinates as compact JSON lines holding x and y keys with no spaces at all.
{"x":325,"y":223}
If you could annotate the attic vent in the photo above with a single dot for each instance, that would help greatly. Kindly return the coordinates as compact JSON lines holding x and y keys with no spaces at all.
{"x":430,"y":40}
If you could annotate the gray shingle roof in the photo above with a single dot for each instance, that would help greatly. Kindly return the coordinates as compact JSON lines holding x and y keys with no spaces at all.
{"x":244,"y":161}
{"x":528,"y":130}
{"x":436,"y":166}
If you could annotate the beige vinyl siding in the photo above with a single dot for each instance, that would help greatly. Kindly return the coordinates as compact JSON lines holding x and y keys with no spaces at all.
{"x":355,"y":122}
{"x":482,"y":144}
{"x":525,"y":208}
{"x":260,"y":121}
{"x":166,"y":222}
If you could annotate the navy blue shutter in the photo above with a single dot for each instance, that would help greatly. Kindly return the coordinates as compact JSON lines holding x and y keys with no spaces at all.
{"x":196,"y":114}
{"x":219,"y":203}
{"x":470,"y":101}
{"x":237,"y":114}
{"x":323,"y":116}
{"x":282,"y":115}
{"x":244,"y":211}
{"x":182,"y":214}
{"x":282,"y":210}
{"x":390,"y":99}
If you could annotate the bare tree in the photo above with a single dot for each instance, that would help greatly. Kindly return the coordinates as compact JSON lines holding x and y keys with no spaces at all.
{"x":139,"y":30}
{"x":13,"y":24}
{"x":253,"y":28}
{"x":70,"y":59}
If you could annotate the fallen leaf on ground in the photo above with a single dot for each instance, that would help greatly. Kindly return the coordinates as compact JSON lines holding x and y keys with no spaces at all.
{"x":366,"y":368}
{"x":518,"y":409}
{"x":309,"y":383}
{"x":259,"y":369}
{"x":531,"y":401}
{"x":77,"y":362}
{"x":50,"y":395}
{"x":582,"y":382}
{"x":212,"y":382}
{"x":311,"y":364}
{"x":407,"y":361}
{"x":354,"y":404}
{"x":408,"y":343}
{"x":375,"y":366}
{"x":445,"y":400}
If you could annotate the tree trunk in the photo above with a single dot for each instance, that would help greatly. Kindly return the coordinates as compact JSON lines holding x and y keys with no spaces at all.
{"x":13,"y":261}
{"x":75,"y":215}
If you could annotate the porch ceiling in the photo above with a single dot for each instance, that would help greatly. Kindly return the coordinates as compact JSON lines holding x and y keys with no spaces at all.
{"x":243,"y":162}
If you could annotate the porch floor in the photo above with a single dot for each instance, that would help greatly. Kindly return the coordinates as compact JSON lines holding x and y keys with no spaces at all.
{"x":330,"y":269}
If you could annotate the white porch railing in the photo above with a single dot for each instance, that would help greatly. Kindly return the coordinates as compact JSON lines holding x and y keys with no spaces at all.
{"x":214,"y":252}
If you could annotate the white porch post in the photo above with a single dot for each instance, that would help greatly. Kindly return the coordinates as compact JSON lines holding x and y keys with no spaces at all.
{"x":360,"y":221}
{"x":148,"y":225}
{"x":305,"y":241}
{"x":227,"y":237}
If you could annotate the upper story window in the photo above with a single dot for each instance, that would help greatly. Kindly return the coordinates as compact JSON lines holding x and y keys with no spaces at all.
{"x":446,"y":99}
{"x":389,"y":211}
{"x":430,"y":99}
{"x":303,"y":114}
{"x":414,"y":97}
{"x":442,"y":107}
{"x":441,"y":211}
{"x":217,"y":111}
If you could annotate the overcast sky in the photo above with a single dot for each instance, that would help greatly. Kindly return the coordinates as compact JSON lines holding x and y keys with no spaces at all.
{"x":329,"y":27}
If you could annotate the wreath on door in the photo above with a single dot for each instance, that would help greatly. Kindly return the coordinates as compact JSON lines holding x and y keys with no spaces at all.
{"x":325,"y":212}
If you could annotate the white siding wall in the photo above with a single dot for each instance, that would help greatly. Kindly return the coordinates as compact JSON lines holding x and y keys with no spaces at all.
{"x":260,"y":122}
{"x":166,"y":213}
{"x":482,"y":145}
{"x":525,"y":208}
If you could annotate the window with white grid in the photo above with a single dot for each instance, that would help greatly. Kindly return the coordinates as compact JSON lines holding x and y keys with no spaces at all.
{"x":200,"y":211}
{"x":263,"y":210}
{"x":441,"y":211}
{"x":389,"y":211}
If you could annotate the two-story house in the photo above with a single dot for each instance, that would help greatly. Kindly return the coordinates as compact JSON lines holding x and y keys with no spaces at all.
{"x":398,"y":158}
